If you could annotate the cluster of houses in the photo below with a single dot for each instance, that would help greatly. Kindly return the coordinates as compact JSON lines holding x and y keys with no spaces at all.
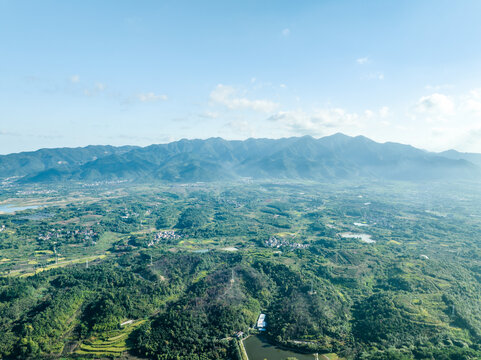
{"x":235,"y":203}
{"x":98,"y":183}
{"x":164,"y":235}
{"x":277,"y":243}
{"x":84,"y":235}
{"x":129,"y":214}
{"x":35,"y":192}
{"x":2,"y":228}
{"x":8,"y":181}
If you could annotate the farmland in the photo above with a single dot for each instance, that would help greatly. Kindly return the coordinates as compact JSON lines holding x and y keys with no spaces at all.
{"x":173,"y":272}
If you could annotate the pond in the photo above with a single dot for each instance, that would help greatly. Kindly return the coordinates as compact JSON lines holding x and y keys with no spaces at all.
{"x":10,"y":209}
{"x":363,"y":237}
{"x":258,"y":349}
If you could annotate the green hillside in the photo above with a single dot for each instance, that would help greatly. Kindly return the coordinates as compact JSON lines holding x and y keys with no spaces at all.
{"x":175,"y":272}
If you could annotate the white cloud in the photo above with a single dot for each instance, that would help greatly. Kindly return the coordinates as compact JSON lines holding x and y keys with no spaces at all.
{"x":473,"y":106}
{"x":317,"y":122}
{"x":436,"y":104}
{"x":471,"y":102}
{"x":209,"y":115}
{"x":362,"y":60}
{"x":151,"y":97}
{"x":438,"y":87}
{"x":471,"y":139}
{"x":447,"y":121}
{"x":286,"y":32}
{"x":100,"y":86}
{"x":226,"y":95}
{"x":74,"y":79}
{"x":329,"y":120}
{"x":8,"y":133}
{"x":368,"y":114}
{"x":241,"y":127}
{"x":373,"y":76}
{"x":384,"y":112}
{"x":95,"y":90}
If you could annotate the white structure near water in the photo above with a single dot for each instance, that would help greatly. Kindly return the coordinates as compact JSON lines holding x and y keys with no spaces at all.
{"x":261,"y":322}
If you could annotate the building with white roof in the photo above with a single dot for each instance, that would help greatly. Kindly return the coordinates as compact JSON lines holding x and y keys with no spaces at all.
{"x":261,"y":322}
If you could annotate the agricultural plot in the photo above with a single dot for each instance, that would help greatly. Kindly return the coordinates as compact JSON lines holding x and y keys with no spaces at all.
{"x":111,"y":344}
{"x":200,"y":262}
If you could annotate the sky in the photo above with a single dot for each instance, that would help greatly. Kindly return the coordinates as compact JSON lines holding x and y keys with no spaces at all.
{"x":74,"y":73}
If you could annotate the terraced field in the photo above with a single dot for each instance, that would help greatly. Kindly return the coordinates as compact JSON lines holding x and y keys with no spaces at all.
{"x":112,"y":345}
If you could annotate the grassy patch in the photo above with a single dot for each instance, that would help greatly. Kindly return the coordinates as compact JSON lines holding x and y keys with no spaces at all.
{"x":330,"y":356}
{"x":39,"y":252}
{"x":61,"y":264}
{"x":113,"y":344}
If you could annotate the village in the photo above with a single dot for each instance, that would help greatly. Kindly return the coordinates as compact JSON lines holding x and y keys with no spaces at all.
{"x":165,"y":235}
{"x":77,"y":235}
{"x":275,"y":242}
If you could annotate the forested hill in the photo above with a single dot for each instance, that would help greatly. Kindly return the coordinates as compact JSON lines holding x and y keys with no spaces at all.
{"x":63,"y":159}
{"x":332,"y":157}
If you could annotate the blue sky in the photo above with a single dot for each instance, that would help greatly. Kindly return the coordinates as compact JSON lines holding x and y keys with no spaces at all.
{"x":74,"y":73}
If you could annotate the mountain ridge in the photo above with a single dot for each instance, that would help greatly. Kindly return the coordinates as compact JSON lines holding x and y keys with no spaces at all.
{"x":336,"y":156}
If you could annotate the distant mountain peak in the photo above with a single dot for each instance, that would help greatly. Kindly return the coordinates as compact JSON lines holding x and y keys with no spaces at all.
{"x":330,"y":157}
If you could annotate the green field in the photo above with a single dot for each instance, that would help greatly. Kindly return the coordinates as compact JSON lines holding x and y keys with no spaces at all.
{"x":113,"y":343}
{"x":160,"y":254}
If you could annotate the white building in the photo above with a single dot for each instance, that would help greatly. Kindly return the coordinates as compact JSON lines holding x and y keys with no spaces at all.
{"x":261,"y":322}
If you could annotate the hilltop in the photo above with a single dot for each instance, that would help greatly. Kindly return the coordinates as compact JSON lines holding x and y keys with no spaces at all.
{"x":333,"y":157}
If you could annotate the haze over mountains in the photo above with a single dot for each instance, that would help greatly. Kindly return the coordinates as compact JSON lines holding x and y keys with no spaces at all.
{"x":332,"y":157}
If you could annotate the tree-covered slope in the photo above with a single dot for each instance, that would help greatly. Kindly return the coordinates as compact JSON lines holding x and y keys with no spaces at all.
{"x":333,"y":157}
{"x":62,"y":159}
{"x":174,"y":272}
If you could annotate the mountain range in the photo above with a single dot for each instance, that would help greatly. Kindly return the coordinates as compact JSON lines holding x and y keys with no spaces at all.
{"x":333,"y":157}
